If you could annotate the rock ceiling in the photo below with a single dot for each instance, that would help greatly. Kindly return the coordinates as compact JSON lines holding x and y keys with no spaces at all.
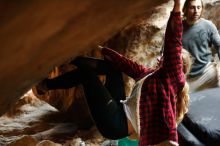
{"x":35,"y":36}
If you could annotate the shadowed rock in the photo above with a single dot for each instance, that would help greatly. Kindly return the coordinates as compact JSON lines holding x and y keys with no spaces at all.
{"x":37,"y":35}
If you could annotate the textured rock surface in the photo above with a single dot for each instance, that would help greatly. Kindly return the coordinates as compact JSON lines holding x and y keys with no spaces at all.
{"x":37,"y":35}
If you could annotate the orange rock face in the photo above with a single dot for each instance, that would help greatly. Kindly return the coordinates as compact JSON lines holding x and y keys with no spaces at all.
{"x":35,"y":36}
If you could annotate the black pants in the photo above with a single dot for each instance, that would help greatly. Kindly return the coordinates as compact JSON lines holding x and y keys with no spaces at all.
{"x":103,"y":100}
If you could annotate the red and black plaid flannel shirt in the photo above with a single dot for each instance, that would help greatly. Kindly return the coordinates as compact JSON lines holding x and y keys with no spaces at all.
{"x":157,"y":105}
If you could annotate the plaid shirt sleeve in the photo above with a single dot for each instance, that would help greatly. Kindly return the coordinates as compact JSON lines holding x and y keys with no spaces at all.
{"x":125,"y":65}
{"x":172,"y":49}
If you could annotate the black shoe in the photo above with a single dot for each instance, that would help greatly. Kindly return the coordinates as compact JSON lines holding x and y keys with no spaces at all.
{"x":41,"y":87}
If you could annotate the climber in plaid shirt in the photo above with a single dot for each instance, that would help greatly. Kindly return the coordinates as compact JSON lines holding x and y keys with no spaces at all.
{"x":160,"y":91}
{"x":158,"y":101}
